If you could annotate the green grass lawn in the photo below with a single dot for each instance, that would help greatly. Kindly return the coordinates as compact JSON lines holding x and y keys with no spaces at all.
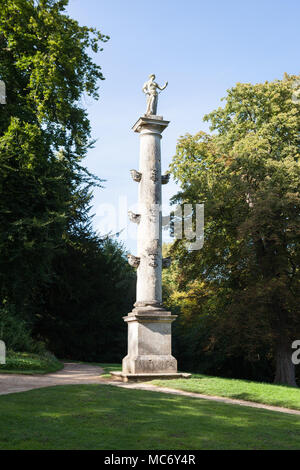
{"x":277,"y":395}
{"x":29,"y":363}
{"x":112,"y":418}
{"x":107,"y":368}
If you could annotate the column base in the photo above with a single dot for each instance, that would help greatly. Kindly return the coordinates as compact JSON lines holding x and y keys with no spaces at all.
{"x":149,"y":342}
{"x":123,"y":377}
{"x":149,"y":364}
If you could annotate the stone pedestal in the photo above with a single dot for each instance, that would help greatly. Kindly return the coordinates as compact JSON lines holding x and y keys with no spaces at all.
{"x":149,"y":344}
{"x":149,"y":324}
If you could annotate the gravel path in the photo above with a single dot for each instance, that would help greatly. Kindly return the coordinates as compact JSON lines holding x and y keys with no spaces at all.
{"x":87,"y":374}
{"x":71,"y":374}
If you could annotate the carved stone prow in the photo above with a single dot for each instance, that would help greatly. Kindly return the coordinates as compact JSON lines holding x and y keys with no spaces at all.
{"x":134,"y":261}
{"x":136,"y":175}
{"x":135,"y":218}
{"x":165,"y":178}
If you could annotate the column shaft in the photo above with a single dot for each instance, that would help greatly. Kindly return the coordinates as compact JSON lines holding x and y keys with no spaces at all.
{"x":149,"y":290}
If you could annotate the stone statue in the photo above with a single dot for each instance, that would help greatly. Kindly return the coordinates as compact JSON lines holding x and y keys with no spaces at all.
{"x":150,"y":89}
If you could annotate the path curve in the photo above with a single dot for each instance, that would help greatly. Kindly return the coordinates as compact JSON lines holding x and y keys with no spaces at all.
{"x":72,"y":373}
{"x":230,"y":401}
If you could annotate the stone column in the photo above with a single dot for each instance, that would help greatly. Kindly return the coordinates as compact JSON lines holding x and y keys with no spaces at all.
{"x":148,"y":289}
{"x":149,"y":324}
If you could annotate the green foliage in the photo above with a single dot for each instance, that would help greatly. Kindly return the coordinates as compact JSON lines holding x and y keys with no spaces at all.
{"x":46,"y":65}
{"x":81,"y":314}
{"x":15,"y":331}
{"x":68,"y":284}
{"x":247,"y":173}
{"x":44,"y":134}
{"x":37,"y":185}
{"x":29,"y":363}
{"x":33,"y":209}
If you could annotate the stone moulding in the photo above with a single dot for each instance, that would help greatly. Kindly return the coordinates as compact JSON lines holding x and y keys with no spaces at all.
{"x":157,"y":123}
{"x":165,"y":317}
{"x":149,"y":304}
{"x":143,"y":377}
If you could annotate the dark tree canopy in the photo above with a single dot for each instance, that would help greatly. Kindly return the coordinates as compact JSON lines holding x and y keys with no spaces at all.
{"x":245,"y":281}
{"x":44,"y":134}
{"x":55,"y":272}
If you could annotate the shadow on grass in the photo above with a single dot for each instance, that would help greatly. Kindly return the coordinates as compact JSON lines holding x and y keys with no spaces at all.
{"x":270,"y":394}
{"x":111,"y":418}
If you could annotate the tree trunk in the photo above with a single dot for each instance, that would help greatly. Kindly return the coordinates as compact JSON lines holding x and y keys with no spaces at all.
{"x":285,"y":369}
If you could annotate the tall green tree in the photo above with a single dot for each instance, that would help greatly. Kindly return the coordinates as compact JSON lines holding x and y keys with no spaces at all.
{"x":80,"y":316}
{"x":45,"y":61}
{"x":247,"y":173}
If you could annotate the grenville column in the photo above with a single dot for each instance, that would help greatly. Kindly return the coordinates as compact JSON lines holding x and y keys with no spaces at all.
{"x":149,"y":324}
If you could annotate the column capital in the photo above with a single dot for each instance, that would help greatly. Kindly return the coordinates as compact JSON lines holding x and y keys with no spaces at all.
{"x":152,"y":123}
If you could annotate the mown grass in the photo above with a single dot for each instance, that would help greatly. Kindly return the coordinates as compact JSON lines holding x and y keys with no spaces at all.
{"x":268,"y":394}
{"x":29,"y":363}
{"x":112,"y":418}
{"x":277,"y":395}
{"x":107,"y":368}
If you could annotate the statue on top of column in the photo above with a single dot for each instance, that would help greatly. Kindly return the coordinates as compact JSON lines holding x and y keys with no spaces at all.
{"x":150,"y":89}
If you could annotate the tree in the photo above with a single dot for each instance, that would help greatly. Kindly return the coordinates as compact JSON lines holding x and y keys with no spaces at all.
{"x":247,"y":173}
{"x":44,"y":135}
{"x":81,"y":313}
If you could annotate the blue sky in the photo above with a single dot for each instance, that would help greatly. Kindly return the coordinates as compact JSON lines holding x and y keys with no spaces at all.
{"x":201,"y":48}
